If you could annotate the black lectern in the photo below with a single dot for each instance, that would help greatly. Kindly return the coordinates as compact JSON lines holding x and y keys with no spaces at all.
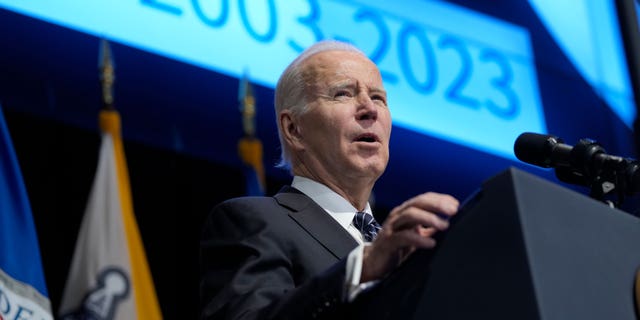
{"x":523,"y":248}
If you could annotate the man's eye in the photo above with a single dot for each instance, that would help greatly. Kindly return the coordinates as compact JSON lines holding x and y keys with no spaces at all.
{"x":379,"y":98}
{"x":343,"y":93}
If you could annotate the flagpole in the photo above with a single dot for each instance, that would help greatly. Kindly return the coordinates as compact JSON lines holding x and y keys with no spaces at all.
{"x":249,"y":146}
{"x":109,"y":247}
{"x":107,"y":74}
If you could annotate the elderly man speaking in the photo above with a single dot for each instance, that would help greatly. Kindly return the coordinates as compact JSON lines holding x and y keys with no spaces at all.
{"x":308,"y":251}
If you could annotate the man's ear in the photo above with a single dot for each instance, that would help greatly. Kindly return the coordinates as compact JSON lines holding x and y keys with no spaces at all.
{"x":291,"y":130}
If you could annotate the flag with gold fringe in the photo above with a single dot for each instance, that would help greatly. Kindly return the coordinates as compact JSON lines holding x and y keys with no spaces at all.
{"x":250,"y":147}
{"x":23,"y":292}
{"x":109,"y":276}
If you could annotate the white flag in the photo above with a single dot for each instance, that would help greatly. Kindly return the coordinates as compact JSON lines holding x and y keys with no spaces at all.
{"x":109,"y":276}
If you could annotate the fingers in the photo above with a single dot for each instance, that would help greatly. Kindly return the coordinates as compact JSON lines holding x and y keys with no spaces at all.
{"x":433,"y":202}
{"x":428,"y":209}
{"x":414,"y":217}
{"x":409,"y":226}
{"x":411,"y":239}
{"x":426,"y":232}
{"x":384,"y":255}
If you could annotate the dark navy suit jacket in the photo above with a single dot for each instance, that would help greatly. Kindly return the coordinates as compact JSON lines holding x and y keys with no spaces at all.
{"x":280,"y":257}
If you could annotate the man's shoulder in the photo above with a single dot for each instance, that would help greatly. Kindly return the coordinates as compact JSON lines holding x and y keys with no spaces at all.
{"x":285,"y":196}
{"x":251,"y":215}
{"x":247,"y":201}
{"x":262,"y":206}
{"x":247,"y":205}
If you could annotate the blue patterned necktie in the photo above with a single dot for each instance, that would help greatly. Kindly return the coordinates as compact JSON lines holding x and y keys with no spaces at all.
{"x":367,"y":225}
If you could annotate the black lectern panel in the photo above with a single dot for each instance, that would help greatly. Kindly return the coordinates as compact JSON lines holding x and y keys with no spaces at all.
{"x":524,"y":248}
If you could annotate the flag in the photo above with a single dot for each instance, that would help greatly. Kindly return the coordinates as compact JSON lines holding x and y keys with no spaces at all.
{"x":250,"y":147}
{"x":23,"y":292}
{"x":109,"y":276}
{"x":250,"y":150}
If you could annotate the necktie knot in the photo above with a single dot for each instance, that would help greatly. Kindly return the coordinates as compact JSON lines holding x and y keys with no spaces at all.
{"x":367,"y":225}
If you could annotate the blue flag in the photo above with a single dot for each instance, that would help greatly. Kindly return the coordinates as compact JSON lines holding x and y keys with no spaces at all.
{"x":23,"y":291}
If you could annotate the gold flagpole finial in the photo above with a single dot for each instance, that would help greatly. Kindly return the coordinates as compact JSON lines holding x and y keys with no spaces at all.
{"x":247,"y":106}
{"x":107,"y":74}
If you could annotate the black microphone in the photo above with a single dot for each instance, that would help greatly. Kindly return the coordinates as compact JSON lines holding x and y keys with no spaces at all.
{"x":542,"y":150}
{"x":582,"y":164}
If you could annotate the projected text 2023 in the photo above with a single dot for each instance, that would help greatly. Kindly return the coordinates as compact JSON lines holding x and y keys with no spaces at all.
{"x":415,"y":51}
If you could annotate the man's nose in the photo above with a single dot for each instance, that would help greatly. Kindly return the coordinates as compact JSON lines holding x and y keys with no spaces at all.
{"x":367,"y":109}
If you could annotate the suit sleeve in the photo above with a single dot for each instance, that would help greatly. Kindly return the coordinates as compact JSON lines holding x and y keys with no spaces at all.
{"x":247,"y":271}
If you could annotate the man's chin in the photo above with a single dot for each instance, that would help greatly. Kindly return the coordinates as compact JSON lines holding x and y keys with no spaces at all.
{"x":373,"y":169}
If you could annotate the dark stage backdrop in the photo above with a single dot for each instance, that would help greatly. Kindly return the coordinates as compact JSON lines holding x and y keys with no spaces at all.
{"x":172,"y":194}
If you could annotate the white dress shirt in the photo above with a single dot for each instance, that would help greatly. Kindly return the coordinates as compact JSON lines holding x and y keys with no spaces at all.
{"x":343,"y":212}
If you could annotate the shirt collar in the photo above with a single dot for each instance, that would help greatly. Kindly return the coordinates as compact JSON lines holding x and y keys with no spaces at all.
{"x":338,"y":207}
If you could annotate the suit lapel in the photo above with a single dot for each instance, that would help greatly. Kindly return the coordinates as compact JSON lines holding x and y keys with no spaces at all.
{"x":317,"y":222}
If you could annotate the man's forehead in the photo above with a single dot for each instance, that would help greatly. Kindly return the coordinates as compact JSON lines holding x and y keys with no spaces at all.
{"x":335,"y":55}
{"x":338,"y":60}
{"x":349,"y":82}
{"x":342,"y":66}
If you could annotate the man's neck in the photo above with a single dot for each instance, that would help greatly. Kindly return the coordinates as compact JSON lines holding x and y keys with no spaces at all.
{"x":355,"y":191}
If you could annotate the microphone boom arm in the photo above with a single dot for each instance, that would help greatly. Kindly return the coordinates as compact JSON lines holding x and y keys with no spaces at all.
{"x":587,"y":164}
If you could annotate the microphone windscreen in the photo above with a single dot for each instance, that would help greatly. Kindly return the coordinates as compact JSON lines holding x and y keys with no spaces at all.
{"x":535,"y":148}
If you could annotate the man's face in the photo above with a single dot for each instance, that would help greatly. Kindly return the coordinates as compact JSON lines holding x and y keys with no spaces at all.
{"x":346,"y":128}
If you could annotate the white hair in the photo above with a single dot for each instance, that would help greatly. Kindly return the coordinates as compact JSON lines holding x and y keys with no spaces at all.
{"x":292,"y":88}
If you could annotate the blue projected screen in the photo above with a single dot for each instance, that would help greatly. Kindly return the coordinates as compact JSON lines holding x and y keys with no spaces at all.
{"x":590,"y":38}
{"x":450,"y":72}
